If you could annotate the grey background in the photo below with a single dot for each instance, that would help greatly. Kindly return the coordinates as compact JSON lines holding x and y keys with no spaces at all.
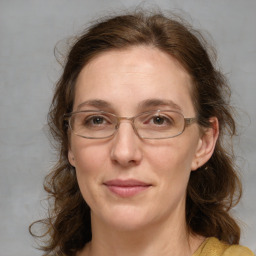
{"x":29,"y":30}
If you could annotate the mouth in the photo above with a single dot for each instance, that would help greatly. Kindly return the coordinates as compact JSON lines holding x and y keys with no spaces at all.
{"x":126,"y":188}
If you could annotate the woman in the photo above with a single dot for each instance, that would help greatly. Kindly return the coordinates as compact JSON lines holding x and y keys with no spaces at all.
{"x":140,"y":115}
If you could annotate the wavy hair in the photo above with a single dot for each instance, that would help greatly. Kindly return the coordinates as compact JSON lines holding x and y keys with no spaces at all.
{"x":212,"y":190}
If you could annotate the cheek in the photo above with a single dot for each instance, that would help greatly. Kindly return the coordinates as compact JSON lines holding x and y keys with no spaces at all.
{"x":174,"y":156}
{"x":90,"y":163}
{"x":171,"y":164}
{"x":90,"y":160}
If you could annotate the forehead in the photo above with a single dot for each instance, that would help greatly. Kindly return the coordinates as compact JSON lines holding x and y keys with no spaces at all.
{"x":133,"y":75}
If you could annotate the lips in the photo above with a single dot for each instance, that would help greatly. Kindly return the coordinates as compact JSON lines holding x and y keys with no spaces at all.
{"x":126,"y":188}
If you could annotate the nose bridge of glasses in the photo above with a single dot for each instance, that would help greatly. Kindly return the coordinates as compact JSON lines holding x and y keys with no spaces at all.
{"x":124,"y":119}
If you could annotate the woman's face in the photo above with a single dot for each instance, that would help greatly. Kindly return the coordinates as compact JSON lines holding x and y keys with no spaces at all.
{"x":129,"y":182}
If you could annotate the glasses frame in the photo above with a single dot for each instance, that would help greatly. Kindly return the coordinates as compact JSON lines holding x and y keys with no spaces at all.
{"x":187,"y":121}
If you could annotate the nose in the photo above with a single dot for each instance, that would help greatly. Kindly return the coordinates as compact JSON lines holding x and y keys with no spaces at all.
{"x":126,"y":149}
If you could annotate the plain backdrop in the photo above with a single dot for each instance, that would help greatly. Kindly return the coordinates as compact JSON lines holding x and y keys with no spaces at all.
{"x":29,"y":30}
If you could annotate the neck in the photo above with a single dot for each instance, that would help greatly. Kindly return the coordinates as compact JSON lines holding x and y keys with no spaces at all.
{"x":158,"y":239}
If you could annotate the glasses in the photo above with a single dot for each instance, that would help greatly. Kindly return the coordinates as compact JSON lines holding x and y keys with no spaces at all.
{"x":157,"y":124}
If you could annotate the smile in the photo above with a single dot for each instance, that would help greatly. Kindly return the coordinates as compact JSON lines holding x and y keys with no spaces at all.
{"x":126,"y":188}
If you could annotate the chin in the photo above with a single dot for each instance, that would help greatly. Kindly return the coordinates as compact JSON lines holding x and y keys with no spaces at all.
{"x":127,"y":218}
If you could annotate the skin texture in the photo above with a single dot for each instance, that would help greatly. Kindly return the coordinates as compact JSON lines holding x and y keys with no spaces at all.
{"x":151,"y":222}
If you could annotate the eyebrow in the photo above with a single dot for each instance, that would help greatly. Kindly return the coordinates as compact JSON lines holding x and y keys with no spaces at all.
{"x":159,"y":102}
{"x":148,"y":103}
{"x":97,"y":103}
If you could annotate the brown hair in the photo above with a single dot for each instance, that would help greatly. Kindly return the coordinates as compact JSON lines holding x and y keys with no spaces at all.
{"x":212,"y":190}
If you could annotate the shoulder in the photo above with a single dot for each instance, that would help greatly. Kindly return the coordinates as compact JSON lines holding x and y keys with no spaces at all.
{"x":213,"y":247}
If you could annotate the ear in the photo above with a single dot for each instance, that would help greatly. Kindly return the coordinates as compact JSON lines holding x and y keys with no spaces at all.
{"x":71,"y":158}
{"x":206,"y":144}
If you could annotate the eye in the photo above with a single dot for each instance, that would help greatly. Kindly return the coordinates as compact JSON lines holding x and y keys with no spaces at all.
{"x":96,"y":120}
{"x":161,"y":120}
{"x":158,"y":120}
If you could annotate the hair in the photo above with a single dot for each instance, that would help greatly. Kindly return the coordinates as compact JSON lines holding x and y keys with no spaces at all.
{"x":212,"y":190}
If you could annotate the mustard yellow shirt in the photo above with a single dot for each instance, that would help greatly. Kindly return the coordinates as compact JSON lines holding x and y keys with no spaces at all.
{"x":213,"y":247}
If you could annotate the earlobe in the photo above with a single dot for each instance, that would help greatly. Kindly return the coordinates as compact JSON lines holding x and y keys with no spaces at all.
{"x":206,"y":144}
{"x":71,"y":158}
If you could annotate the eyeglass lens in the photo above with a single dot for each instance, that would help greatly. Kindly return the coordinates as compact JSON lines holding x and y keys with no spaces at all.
{"x":151,"y":125}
